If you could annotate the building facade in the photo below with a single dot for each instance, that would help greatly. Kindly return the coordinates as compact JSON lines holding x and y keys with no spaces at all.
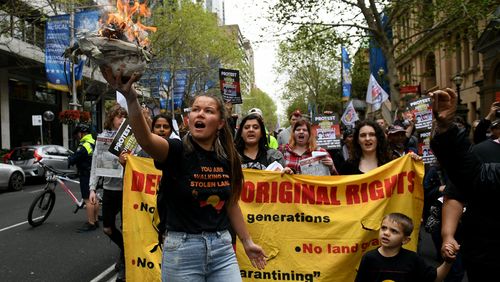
{"x":446,"y":57}
{"x":23,"y":82}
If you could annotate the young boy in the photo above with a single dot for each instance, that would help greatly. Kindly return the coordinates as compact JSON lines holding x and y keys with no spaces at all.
{"x":390,"y":262}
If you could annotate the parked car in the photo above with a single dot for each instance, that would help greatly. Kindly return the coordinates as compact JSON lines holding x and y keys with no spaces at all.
{"x":11,"y":177}
{"x":27,"y":157}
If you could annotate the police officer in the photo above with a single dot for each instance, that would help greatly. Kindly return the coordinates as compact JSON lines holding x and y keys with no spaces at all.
{"x":82,"y":158}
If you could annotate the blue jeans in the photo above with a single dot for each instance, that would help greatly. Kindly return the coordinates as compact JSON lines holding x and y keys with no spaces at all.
{"x":205,"y":257}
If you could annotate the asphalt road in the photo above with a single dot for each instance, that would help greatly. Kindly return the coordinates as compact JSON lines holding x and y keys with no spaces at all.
{"x":53,"y":251}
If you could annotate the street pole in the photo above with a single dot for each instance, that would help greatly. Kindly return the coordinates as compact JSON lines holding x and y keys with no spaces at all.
{"x":74,"y":102}
{"x":41,"y":133}
{"x":172,"y":85}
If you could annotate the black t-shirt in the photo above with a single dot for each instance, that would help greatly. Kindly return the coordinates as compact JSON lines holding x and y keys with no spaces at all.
{"x":406,"y":266}
{"x":261,"y":162}
{"x":194,"y":190}
{"x":350,"y":168}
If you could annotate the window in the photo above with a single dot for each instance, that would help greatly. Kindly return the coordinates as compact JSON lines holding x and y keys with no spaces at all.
{"x":51,"y":151}
{"x":458,"y":54}
{"x":61,"y":151}
{"x":23,"y":154}
{"x":17,"y":28}
{"x":430,"y":71}
{"x":4,"y":21}
{"x":467,"y":47}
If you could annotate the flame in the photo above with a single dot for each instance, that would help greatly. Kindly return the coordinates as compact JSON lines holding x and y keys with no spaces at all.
{"x":126,"y":24}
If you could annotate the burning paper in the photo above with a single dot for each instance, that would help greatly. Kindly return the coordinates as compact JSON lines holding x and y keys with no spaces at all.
{"x":122,"y":40}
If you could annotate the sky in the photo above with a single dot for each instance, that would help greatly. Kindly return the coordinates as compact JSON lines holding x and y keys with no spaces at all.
{"x":251,"y":15}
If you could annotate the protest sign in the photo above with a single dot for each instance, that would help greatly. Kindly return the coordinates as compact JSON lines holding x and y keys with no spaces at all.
{"x":123,"y":140}
{"x":230,"y":85}
{"x":421,"y":109}
{"x":327,"y":131}
{"x":107,"y":163}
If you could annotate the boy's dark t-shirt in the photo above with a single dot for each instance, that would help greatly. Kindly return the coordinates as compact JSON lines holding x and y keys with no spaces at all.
{"x":194,"y":189}
{"x":406,"y":266}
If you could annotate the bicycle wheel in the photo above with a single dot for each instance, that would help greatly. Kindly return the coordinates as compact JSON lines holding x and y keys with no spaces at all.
{"x":41,"y":207}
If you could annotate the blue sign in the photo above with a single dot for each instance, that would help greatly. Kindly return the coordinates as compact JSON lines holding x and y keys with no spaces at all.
{"x":179,"y":87}
{"x":346,"y":75}
{"x":57,"y":40}
{"x":377,"y":58}
{"x":86,"y":21}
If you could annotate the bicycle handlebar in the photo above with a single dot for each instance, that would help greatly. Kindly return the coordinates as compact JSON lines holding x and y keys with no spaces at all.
{"x":51,"y":169}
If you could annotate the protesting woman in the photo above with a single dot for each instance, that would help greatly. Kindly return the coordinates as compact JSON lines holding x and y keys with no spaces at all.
{"x":251,"y":143}
{"x":112,"y":186}
{"x":369,"y":149}
{"x":201,"y":184}
{"x":301,"y":146}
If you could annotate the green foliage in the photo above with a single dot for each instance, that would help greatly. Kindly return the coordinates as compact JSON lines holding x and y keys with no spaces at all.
{"x":357,"y":20}
{"x":312,"y":66}
{"x":360,"y":74}
{"x":259,"y":99}
{"x":297,"y":104}
{"x":19,"y":18}
{"x":190,"y":38}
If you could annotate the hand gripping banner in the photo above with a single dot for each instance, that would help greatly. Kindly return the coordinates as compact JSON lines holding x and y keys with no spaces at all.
{"x":313,"y":228}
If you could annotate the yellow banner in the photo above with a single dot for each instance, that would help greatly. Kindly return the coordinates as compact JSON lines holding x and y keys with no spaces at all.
{"x":316,"y":228}
{"x":313,"y":228}
{"x":139,"y":235}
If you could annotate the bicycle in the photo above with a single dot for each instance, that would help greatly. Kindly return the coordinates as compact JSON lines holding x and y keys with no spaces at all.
{"x":42,"y":205}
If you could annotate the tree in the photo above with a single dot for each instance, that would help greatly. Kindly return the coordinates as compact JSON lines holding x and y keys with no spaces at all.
{"x":189,"y":38}
{"x":312,"y":66}
{"x":357,"y":19}
{"x":360,"y":73}
{"x":260,"y":99}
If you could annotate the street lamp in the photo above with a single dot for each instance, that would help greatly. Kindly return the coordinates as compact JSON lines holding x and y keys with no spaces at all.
{"x":381,"y":72}
{"x":461,"y":108}
{"x":458,"y":79}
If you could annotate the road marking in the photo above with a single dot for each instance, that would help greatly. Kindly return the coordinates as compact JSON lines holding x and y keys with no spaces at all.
{"x":16,"y":225}
{"x":104,"y":273}
{"x":113,"y":279}
{"x":36,"y":191}
{"x":12,"y":226}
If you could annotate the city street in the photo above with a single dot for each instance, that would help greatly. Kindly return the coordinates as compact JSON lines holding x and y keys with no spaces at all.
{"x":53,"y":251}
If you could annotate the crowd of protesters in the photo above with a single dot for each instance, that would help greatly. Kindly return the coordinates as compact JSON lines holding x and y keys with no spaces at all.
{"x":373,"y":143}
{"x":464,"y":177}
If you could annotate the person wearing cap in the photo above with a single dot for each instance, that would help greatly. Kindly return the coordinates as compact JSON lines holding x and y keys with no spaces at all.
{"x":495,"y":129}
{"x":396,"y":136}
{"x":284,"y":136}
{"x":271,"y":140}
{"x":490,"y":122}
{"x":82,"y":158}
